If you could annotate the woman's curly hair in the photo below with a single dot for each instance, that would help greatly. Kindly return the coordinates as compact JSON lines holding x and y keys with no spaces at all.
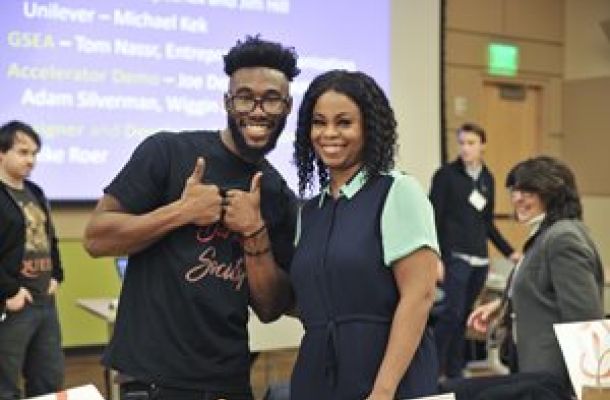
{"x":379,"y":126}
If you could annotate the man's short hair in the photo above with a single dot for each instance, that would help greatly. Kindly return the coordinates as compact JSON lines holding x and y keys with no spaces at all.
{"x":8,"y":132}
{"x":256,"y":52}
{"x":474,"y":128}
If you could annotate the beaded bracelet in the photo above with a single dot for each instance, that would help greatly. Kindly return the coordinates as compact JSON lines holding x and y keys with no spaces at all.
{"x":256,"y":232}
{"x":257,"y":252}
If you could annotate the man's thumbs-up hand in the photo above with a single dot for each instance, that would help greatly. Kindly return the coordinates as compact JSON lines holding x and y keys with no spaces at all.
{"x":242,"y":209}
{"x":255,"y":185}
{"x":200,"y":203}
{"x":197,"y":174}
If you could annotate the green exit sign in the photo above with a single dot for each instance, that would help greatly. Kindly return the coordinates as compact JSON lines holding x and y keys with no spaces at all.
{"x":502,"y":59}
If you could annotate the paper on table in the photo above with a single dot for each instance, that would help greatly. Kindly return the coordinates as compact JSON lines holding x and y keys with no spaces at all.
{"x":582,"y":344}
{"x":87,"y":392}
{"x":445,"y":396}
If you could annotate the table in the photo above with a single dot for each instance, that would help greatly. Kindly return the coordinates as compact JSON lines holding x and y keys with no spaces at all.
{"x":284,"y":333}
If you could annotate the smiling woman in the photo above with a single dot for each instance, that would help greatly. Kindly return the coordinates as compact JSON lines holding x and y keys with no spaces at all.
{"x":559,"y":279}
{"x":359,"y":275}
{"x":336,"y":134}
{"x":337,"y":107}
{"x":528,"y":205}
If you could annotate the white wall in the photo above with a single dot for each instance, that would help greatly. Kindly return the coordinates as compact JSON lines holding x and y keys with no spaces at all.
{"x":415,"y":85}
{"x":587,"y":50}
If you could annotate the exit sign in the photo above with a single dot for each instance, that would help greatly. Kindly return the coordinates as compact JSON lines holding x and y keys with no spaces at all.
{"x":502,"y":59}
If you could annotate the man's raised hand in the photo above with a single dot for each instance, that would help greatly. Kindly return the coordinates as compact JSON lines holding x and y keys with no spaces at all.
{"x":200,"y":203}
{"x":242,"y":209}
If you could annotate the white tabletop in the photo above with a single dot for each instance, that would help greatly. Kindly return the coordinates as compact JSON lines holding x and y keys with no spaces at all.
{"x":284,"y":333}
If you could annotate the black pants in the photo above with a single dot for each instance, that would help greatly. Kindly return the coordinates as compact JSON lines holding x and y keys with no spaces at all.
{"x":142,"y":391}
{"x":462,"y":285}
{"x":30,"y":344}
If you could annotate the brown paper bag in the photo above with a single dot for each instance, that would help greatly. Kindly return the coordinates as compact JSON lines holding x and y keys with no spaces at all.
{"x":595,"y":393}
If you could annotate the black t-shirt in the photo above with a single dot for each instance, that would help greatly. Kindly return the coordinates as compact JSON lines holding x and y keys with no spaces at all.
{"x":183,"y":309}
{"x":37,"y":266}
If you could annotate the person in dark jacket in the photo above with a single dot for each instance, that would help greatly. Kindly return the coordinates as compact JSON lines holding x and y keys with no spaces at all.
{"x":462,"y":194}
{"x":560,"y":279}
{"x":30,"y":272}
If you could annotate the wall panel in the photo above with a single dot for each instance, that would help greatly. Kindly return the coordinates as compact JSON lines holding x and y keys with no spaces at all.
{"x":587,"y":133}
{"x":535,"y":19}
{"x":475,"y":15}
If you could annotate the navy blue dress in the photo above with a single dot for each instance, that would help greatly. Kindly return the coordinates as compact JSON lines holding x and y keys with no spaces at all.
{"x":346,"y":295}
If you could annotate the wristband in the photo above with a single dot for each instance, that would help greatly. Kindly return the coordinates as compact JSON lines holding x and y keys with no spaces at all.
{"x":257,"y":252}
{"x":256,"y":232}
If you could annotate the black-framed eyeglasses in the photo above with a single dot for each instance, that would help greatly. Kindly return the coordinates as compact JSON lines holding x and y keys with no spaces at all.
{"x":245,"y":103}
{"x":514,"y":192}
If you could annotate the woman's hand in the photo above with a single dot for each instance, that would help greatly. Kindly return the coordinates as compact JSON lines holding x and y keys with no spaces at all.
{"x":480,"y":317}
{"x":515,"y":257}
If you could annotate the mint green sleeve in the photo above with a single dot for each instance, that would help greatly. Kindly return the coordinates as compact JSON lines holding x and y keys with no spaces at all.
{"x":407,"y":220}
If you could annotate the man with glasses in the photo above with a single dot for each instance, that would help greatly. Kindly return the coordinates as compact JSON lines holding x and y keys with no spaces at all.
{"x":208,"y":225}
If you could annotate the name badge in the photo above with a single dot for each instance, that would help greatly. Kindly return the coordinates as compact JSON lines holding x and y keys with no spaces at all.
{"x":477,"y":200}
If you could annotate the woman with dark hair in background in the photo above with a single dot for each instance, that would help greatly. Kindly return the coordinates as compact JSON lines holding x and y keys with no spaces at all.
{"x":365,"y":266}
{"x":560,"y":279}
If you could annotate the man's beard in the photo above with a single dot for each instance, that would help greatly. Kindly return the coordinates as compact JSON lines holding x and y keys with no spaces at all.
{"x":250,"y":153}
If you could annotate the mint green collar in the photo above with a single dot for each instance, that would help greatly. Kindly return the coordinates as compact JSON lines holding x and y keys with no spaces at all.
{"x":348,"y":190}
